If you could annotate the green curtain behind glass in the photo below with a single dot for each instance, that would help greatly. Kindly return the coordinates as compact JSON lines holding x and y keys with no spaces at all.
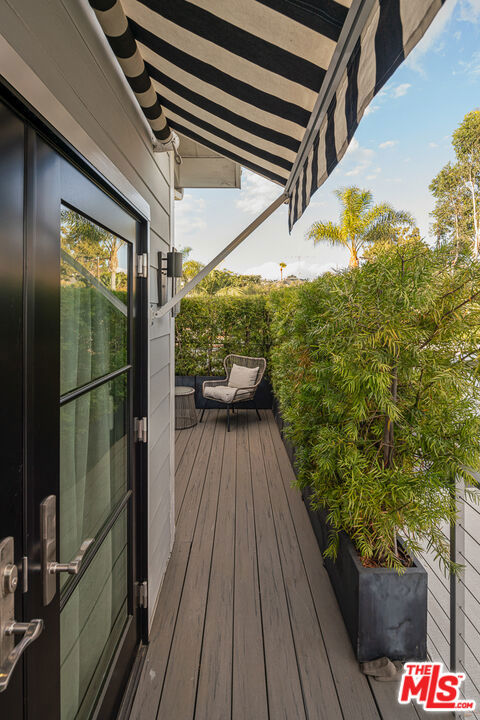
{"x":93,"y":476}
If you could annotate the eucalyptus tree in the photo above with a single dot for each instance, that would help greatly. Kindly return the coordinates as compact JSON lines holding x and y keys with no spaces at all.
{"x":456,"y":189}
{"x":361,"y":223}
{"x":466,"y":143}
{"x":451,"y":212}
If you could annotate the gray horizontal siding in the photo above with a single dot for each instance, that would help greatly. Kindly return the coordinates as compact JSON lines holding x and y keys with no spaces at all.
{"x":159,"y":354}
{"x":67,"y":71}
{"x":159,"y":387}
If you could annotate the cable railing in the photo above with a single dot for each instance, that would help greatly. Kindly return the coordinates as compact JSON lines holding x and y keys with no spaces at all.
{"x":472,"y":507}
{"x":467,"y":563}
{"x":454,"y":603}
{"x":438,"y":603}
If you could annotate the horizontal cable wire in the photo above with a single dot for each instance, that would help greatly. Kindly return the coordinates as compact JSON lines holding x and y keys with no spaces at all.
{"x":432,"y":569}
{"x":466,"y":671}
{"x":432,"y":594}
{"x":469,"y":534}
{"x":439,"y":654}
{"x":468,"y":563}
{"x":447,"y":640}
{"x":469,"y":591}
{"x":470,"y":621}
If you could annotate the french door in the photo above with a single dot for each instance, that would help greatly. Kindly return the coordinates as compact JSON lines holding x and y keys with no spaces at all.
{"x":70,"y":369}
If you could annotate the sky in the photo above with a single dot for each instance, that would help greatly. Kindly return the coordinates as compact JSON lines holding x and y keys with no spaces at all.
{"x":402,"y":142}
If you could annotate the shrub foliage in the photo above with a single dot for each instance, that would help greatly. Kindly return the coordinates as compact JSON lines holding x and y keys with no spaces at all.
{"x":375,"y":370}
{"x":209,"y":328}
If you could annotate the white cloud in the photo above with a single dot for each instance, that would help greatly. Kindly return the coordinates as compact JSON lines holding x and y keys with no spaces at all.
{"x":388,"y":144}
{"x":432,"y":144}
{"x":431,"y":39}
{"x":400,"y":90}
{"x":302,"y":268}
{"x":370,"y":109}
{"x":190,"y":215}
{"x":357,"y":159}
{"x":469,"y":10}
{"x":257,"y":193}
{"x":354,"y":171}
{"x":472,"y":67}
{"x":391,"y":91}
{"x":353,"y":147}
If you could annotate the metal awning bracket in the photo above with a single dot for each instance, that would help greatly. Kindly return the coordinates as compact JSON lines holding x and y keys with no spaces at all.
{"x":161,"y":312}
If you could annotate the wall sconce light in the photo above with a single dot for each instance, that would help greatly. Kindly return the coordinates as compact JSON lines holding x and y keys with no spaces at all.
{"x":174,"y":264}
{"x":169,"y":266}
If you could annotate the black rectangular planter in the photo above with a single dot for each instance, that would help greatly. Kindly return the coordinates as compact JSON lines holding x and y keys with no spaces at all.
{"x":385,"y":613}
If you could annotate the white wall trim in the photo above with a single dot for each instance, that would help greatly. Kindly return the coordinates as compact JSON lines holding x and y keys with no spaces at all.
{"x":172,"y":367}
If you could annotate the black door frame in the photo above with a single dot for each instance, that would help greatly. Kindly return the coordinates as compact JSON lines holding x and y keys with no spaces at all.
{"x":12,"y":187}
{"x":35,"y":124}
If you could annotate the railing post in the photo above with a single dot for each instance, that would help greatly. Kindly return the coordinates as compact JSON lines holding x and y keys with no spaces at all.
{"x":457,"y":587}
{"x":453,"y":589}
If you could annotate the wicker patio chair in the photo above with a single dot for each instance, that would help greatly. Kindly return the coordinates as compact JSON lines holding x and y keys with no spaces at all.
{"x":221,"y":391}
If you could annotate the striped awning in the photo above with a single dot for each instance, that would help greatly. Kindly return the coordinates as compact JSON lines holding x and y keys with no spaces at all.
{"x":278,"y":86}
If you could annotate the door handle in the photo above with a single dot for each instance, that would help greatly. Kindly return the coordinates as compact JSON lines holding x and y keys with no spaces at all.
{"x":10,"y":654}
{"x":50,"y":566}
{"x":30,"y":631}
{"x":73,"y":566}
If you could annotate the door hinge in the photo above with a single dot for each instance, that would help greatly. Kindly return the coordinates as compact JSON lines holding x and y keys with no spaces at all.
{"x":142,"y":265}
{"x":142,"y":594}
{"x":141,"y":429}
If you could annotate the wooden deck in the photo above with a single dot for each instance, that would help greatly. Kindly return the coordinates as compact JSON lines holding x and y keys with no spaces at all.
{"x":247,"y":626}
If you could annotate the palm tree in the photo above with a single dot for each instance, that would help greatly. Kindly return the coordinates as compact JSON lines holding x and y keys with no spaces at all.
{"x":282,"y":268}
{"x":361,"y":222}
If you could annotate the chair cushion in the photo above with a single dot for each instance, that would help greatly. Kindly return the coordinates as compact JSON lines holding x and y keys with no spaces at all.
{"x":242,"y":377}
{"x":223,"y":393}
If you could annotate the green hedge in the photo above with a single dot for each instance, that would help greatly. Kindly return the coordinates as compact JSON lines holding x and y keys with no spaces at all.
{"x":209,"y":328}
{"x":375,"y":370}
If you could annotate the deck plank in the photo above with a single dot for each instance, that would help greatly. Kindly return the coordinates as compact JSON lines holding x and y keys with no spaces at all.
{"x":181,"y":677}
{"x":285,"y":699}
{"x":249,"y":689}
{"x":385,"y":694}
{"x":214,"y":695}
{"x":196,"y":468}
{"x":183,"y":472}
{"x":424,"y":715}
{"x":181,"y":441}
{"x":147,"y":699}
{"x":352,"y":686}
{"x":247,"y":625}
{"x":313,"y":662}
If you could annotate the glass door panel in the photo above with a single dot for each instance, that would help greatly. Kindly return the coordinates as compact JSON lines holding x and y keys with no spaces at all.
{"x":91,"y":624}
{"x":93,"y":462}
{"x":93,"y":301}
{"x":95,"y":434}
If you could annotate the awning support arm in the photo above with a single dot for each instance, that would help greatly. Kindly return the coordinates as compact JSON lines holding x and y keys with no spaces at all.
{"x":281,"y":199}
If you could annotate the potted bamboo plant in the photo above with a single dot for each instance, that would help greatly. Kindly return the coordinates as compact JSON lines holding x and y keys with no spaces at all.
{"x":375,"y":372}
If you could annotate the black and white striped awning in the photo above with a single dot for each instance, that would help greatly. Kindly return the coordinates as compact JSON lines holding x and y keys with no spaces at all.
{"x":279,"y":86}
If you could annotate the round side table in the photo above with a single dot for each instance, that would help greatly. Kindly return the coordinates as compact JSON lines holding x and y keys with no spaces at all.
{"x":185,"y":412}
